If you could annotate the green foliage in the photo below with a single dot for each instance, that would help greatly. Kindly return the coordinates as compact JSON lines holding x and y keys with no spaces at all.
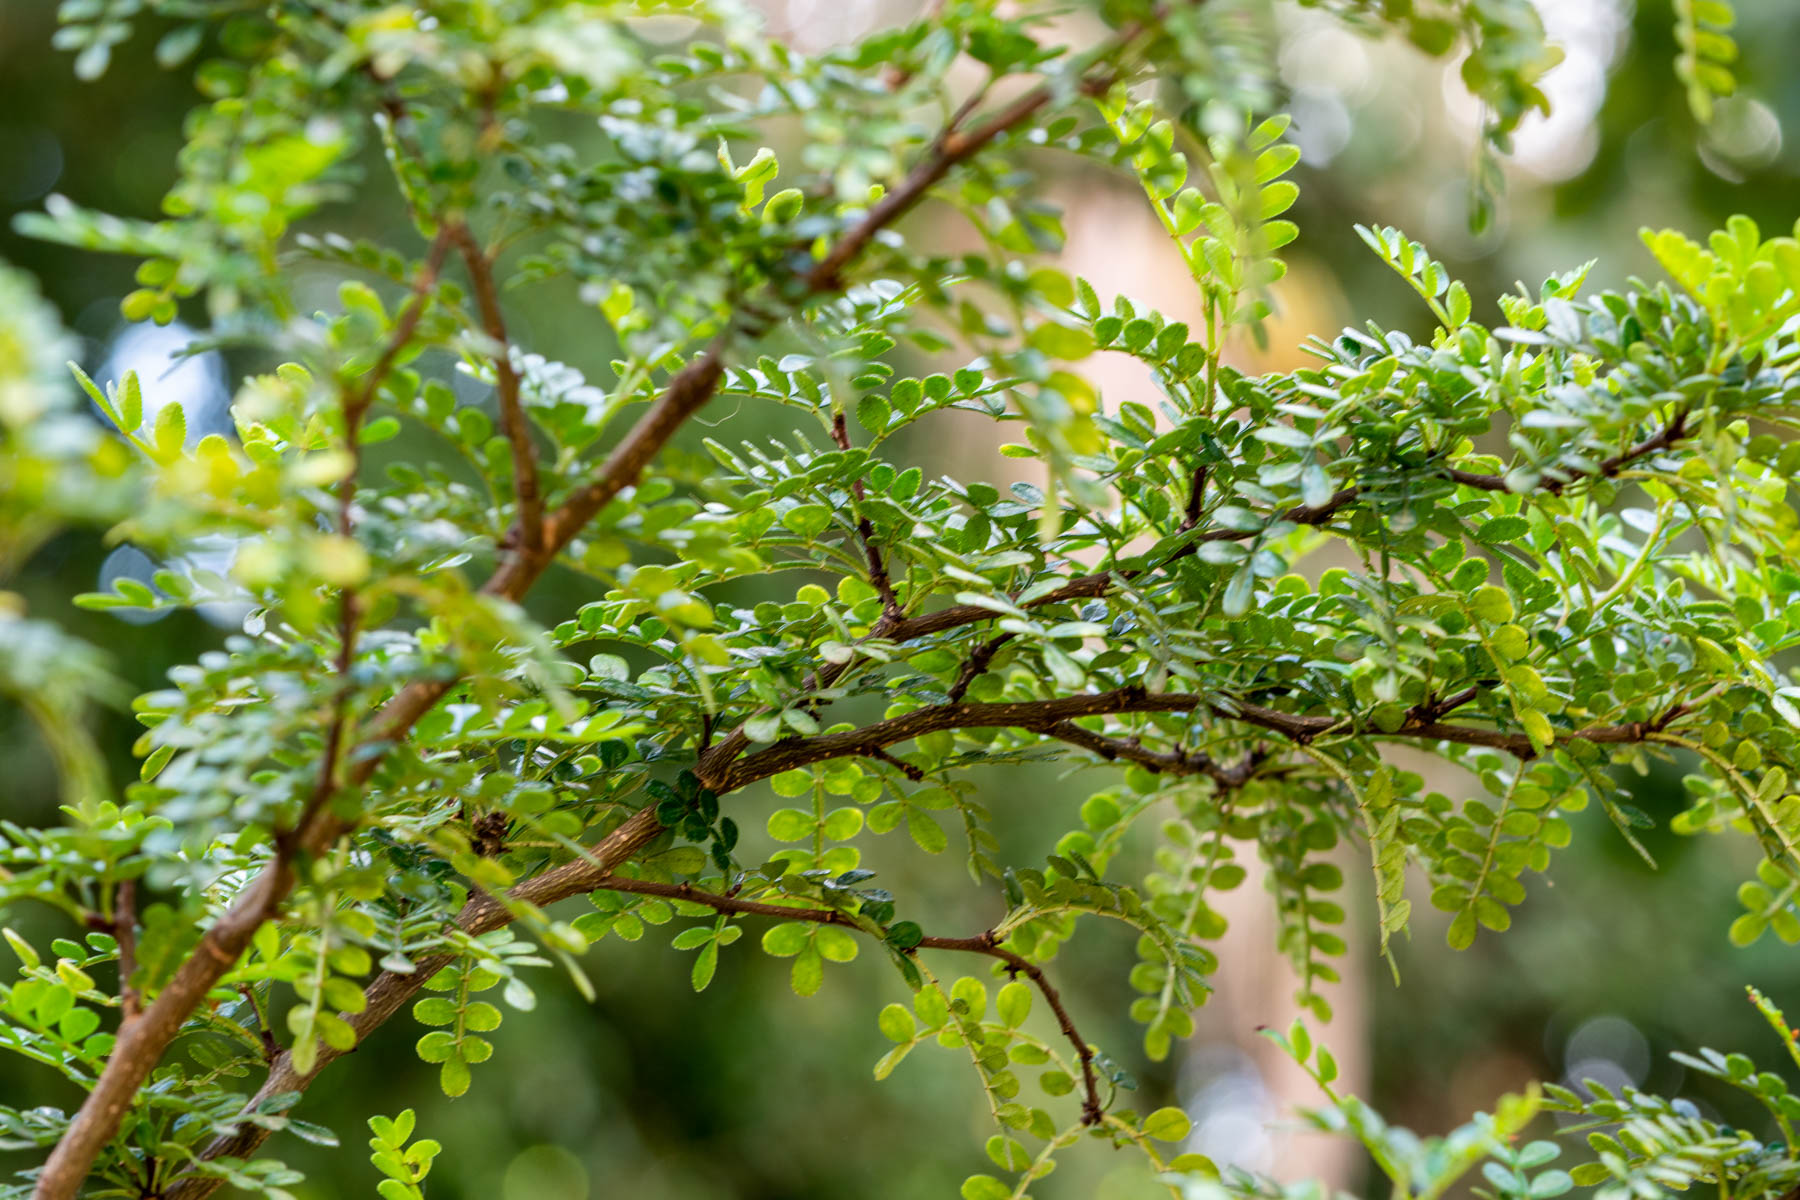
{"x":1706,"y":52}
{"x":1568,"y":539}
{"x":1641,"y":1145}
{"x":404,"y":1167}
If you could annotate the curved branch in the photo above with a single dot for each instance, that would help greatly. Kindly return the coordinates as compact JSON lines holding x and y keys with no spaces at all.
{"x":865,"y":530}
{"x":1662,"y":439}
{"x":142,"y":1040}
{"x":1055,"y":718}
{"x":687,"y":391}
{"x":987,"y":942}
{"x":530,"y":529}
{"x":390,"y":992}
{"x":1161,"y":762}
{"x":899,"y":627}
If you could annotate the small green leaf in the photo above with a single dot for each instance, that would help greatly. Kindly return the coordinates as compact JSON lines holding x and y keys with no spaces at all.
{"x":705,"y":964}
{"x":453,"y":1077}
{"x":1502,"y":529}
{"x":1013,"y":1003}
{"x":1167,"y":1125}
{"x":896,"y":1023}
{"x":985,"y":1187}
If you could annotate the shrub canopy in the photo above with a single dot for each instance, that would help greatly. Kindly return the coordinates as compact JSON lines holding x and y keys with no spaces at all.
{"x":1569,"y":549}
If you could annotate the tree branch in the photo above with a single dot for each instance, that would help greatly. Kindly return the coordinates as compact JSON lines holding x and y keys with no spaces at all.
{"x":687,"y":391}
{"x":953,"y":147}
{"x":1196,"y":497}
{"x":142,"y":1040}
{"x":1162,"y":762}
{"x":124,"y":925}
{"x":897,"y":626}
{"x":878,"y":576}
{"x":1662,"y":439}
{"x":530,"y":528}
{"x":1054,"y":718}
{"x":976,"y":665}
{"x":987,"y":943}
{"x":390,"y":992}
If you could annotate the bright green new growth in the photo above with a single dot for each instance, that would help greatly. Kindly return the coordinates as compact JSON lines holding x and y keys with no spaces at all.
{"x":1569,"y":541}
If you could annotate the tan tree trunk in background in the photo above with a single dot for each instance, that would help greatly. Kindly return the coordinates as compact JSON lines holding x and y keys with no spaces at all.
{"x":1239,"y":1088}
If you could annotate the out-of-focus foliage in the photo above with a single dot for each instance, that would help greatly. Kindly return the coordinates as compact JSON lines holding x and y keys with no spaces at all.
{"x":1572,"y":539}
{"x":58,"y":469}
{"x":1641,"y":1144}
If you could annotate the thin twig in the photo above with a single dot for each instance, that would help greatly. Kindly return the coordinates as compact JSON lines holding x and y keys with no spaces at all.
{"x":529,"y":531}
{"x":878,"y":575}
{"x":140,"y":1043}
{"x":897,"y":76}
{"x":270,"y":1047}
{"x":1161,"y":762}
{"x":1674,"y":431}
{"x":986,"y":942}
{"x":125,"y":933}
{"x":905,"y":768}
{"x":953,"y":147}
{"x":1196,"y":497}
{"x":1100,"y":584}
{"x":976,"y":665}
{"x":1092,"y":1112}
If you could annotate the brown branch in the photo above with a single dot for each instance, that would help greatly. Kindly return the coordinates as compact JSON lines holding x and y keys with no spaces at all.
{"x":878,"y":575}
{"x":529,"y":532}
{"x":270,"y":1047}
{"x":987,"y":943}
{"x":976,"y":665}
{"x":687,"y":391}
{"x":1161,"y":762}
{"x":390,"y":992}
{"x":1053,"y":718}
{"x":357,"y":407}
{"x":953,"y":147}
{"x":141,"y":1041}
{"x":899,"y":627}
{"x":896,"y":76}
{"x":1662,"y":439}
{"x":1196,"y":497}
{"x":905,"y":768}
{"x":1098,"y":585}
{"x":140,"y":1045}
{"x":124,"y":924}
{"x":1434,"y":708}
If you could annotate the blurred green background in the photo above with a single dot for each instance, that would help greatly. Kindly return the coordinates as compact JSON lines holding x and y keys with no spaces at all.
{"x":748,"y":1093}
